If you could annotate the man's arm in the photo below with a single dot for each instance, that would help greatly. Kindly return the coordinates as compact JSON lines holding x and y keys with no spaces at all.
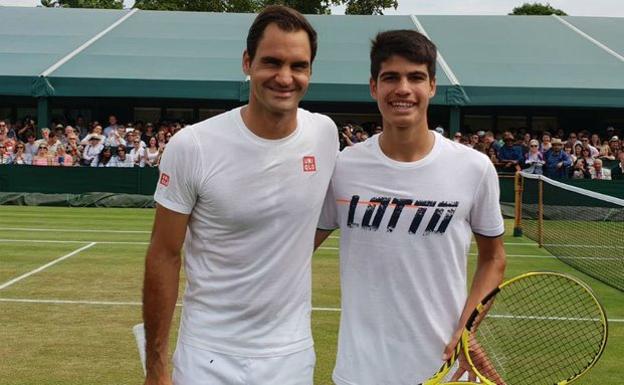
{"x":160,"y":289}
{"x":489,"y":274}
{"x":320,"y":236}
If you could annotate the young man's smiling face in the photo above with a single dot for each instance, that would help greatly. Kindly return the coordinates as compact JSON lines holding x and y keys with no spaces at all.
{"x":280,"y":70}
{"x":402,"y":91}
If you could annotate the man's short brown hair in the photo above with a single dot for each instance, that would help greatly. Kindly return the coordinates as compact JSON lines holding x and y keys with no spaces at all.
{"x":287,"y":19}
{"x":406,"y":43}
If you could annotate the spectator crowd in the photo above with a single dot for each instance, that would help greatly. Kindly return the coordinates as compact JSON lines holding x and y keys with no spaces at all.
{"x":575,"y":155}
{"x":87,"y":145}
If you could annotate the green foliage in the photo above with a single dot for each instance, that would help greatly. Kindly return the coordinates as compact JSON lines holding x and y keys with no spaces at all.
{"x":537,"y":9}
{"x":369,"y":7}
{"x":107,"y":4}
{"x":241,"y":6}
{"x":307,"y":7}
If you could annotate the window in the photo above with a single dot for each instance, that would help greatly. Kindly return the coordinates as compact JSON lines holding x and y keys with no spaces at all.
{"x":147,"y":114}
{"x":511,"y":123}
{"x":478,"y":123}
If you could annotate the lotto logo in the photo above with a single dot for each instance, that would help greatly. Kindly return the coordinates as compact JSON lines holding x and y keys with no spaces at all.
{"x":164,"y":179}
{"x":309,"y":164}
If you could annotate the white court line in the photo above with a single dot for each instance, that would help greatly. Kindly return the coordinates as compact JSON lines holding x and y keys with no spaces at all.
{"x":14,"y":280}
{"x":76,"y":230}
{"x":60,"y":241}
{"x":112,"y":303}
{"x":146,"y":243}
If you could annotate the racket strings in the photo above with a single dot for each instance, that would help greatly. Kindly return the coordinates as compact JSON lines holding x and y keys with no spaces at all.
{"x":538,"y":330}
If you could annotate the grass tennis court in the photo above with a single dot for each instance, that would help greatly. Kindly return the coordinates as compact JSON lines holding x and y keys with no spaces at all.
{"x":69,"y":322}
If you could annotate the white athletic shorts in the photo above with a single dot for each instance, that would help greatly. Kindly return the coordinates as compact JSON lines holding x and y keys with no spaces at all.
{"x":194,"y":366}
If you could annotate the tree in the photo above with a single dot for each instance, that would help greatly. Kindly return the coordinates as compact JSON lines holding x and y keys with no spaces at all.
{"x":369,"y":7}
{"x":108,"y":4}
{"x":307,"y":7}
{"x":537,"y":9}
{"x":200,"y":5}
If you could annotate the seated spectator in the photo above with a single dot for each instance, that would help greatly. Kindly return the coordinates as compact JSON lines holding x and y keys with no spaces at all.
{"x":534,"y":159}
{"x":20,"y":156}
{"x":578,"y":152}
{"x":557,"y":161}
{"x":91,"y":151}
{"x":617,"y":172}
{"x":510,"y":154}
{"x":572,"y":141}
{"x":75,"y":151}
{"x":103,"y":158}
{"x":473,"y":140}
{"x":59,"y":132}
{"x":490,"y":141}
{"x":5,"y":140}
{"x":137,"y":154}
{"x":580,"y":170}
{"x":593,"y":151}
{"x":53,"y":143}
{"x":138,"y":134}
{"x":149,"y":133}
{"x":457,"y":137}
{"x":598,"y":172}
{"x":69,"y":131}
{"x":614,"y":145}
{"x":604,"y":152}
{"x":546,"y":142}
{"x":586,"y":155}
{"x":62,"y":158}
{"x":112,"y":125}
{"x":31,"y":145}
{"x":45,"y":133}
{"x":152,"y":153}
{"x":42,"y":158}
{"x":595,"y":141}
{"x":121,"y":159}
{"x":116,"y":137}
{"x":5,"y":155}
{"x":97,"y":131}
{"x":493,"y":155}
{"x":568,"y":150}
{"x":80,"y":127}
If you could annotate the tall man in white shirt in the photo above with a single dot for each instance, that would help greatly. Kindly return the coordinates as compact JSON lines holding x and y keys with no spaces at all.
{"x":407,"y":202}
{"x":243,"y":191}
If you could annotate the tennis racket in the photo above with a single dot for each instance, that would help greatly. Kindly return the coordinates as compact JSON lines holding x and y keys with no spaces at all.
{"x":540,"y":328}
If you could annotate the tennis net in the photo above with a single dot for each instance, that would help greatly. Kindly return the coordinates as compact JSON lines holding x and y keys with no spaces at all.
{"x":582,"y":228}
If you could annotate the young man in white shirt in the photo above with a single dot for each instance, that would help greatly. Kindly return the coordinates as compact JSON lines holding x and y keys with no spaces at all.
{"x":407,"y":202}
{"x":249,"y":185}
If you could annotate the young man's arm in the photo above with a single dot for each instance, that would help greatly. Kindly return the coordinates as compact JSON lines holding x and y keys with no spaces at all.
{"x":489,"y":274}
{"x":160,"y":290}
{"x":320,"y":236}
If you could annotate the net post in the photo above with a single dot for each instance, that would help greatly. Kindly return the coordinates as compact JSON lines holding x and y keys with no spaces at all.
{"x":518,"y":188}
{"x":540,"y":212}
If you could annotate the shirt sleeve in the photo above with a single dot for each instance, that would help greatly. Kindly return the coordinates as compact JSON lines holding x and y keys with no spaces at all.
{"x":179,"y":173}
{"x":486,"y":218}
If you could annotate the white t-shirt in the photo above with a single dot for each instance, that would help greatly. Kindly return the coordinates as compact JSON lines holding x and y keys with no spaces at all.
{"x":406,"y":229}
{"x":254,"y":206}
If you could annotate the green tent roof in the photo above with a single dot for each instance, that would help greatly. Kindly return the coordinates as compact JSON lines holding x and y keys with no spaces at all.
{"x":485,"y":60}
